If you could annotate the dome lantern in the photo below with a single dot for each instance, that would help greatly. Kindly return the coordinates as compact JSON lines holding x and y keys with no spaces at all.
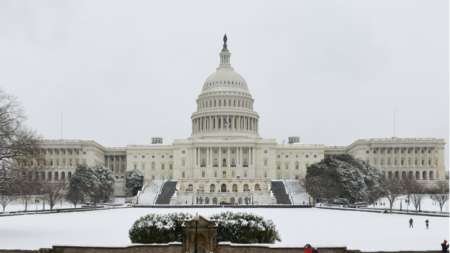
{"x":225,"y":55}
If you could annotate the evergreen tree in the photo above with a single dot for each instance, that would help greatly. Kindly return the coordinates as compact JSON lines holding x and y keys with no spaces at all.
{"x":343,"y":176}
{"x":133,"y":182}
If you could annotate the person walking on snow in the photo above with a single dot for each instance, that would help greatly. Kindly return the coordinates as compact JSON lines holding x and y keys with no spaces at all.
{"x":411,"y":223}
{"x":427,"y":223}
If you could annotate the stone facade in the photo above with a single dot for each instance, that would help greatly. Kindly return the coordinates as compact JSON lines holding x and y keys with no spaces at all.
{"x":225,"y":159}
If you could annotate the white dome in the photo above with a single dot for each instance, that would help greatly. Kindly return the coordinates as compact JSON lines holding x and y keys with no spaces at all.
{"x":225,"y":79}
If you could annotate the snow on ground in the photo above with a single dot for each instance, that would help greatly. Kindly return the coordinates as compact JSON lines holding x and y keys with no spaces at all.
{"x":356,"y":230}
{"x":427,"y":204}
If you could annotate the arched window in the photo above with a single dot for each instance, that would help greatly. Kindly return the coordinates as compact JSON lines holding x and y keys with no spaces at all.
{"x":417,"y":175}
{"x":223,"y":188}
{"x":396,"y":174}
{"x":224,"y":162}
{"x":424,"y":175}
{"x":214,"y":200}
{"x":212,"y":188}
{"x":403,"y":174}
{"x":257,"y":187}
{"x":431,"y":176}
{"x":190,"y":188}
{"x":410,"y":175}
{"x":246,"y":188}
{"x":234,"y":188}
{"x":63,"y":175}
{"x":56,"y":176}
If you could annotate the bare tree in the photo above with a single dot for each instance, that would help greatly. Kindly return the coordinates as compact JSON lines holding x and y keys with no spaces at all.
{"x":16,"y":141}
{"x":8,"y":188}
{"x":417,"y":196}
{"x":392,"y":190}
{"x":411,"y":188}
{"x":53,"y":191}
{"x":18,"y":146}
{"x":439,"y":193}
{"x":27,"y":187}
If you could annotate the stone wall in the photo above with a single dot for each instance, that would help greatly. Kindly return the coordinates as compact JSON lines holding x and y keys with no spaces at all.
{"x":252,"y":248}
{"x":177,"y":248}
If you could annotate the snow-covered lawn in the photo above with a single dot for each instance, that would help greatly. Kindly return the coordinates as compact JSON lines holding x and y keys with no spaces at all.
{"x":356,"y":230}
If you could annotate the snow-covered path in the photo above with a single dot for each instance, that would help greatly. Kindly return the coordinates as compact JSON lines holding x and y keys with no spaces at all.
{"x":356,"y":230}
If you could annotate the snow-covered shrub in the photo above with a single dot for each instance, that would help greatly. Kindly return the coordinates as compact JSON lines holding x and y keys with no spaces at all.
{"x":342,"y":176}
{"x":158,"y":228}
{"x":244,"y":228}
{"x":231,"y":227}
{"x":133,"y":182}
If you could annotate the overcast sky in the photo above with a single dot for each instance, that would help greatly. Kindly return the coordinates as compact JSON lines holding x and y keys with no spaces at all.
{"x":330,"y":72}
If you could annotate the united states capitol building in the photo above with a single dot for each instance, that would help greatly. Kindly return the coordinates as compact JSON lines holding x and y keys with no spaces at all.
{"x":226,"y":161}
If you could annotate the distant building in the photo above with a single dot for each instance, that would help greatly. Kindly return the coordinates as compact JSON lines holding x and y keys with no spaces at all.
{"x":225,"y":160}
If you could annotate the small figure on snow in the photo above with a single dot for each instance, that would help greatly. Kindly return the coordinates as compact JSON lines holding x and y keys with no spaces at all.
{"x":427,"y":223}
{"x":411,"y":222}
{"x":444,"y":246}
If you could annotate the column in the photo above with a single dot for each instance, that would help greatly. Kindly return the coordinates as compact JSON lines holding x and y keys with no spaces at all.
{"x":220,"y":158}
{"x":228,"y":157}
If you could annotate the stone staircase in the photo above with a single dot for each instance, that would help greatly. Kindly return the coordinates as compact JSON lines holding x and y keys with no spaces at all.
{"x":167,"y":191}
{"x":296,"y":192}
{"x":149,"y":192}
{"x":280,"y":194}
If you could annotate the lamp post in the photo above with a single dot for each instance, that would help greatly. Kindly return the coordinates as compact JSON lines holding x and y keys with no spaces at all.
{"x":195,"y":241}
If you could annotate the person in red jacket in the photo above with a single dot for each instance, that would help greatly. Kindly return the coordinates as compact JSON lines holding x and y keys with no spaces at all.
{"x":307,"y":248}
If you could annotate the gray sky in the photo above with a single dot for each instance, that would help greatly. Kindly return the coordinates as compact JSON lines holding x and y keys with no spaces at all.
{"x":328,"y":71}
